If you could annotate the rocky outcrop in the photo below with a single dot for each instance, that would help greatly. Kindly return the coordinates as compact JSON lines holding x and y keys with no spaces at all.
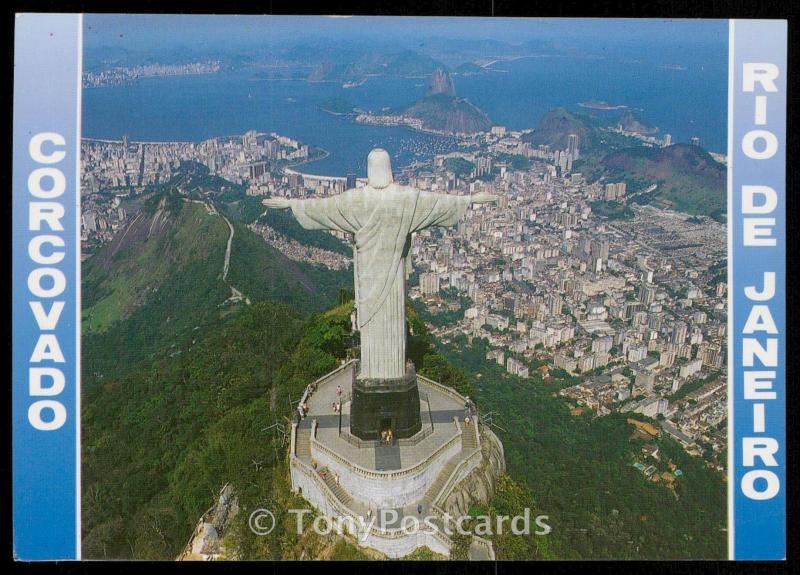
{"x":479,"y":486}
{"x":206,"y":542}
{"x":440,"y":82}
{"x":555,"y":127}
{"x":629,"y":123}
{"x":443,"y":112}
{"x":448,"y":114}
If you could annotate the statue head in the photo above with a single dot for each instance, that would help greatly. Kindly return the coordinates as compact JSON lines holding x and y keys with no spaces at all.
{"x":379,"y":169}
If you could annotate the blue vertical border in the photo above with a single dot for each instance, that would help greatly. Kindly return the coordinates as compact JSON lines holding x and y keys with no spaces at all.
{"x":758,"y":524}
{"x":46,"y":463}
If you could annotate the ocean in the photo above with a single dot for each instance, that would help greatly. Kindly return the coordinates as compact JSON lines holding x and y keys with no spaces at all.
{"x":686,"y":98}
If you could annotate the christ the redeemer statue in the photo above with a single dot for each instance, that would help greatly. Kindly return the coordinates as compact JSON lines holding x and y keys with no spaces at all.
{"x":382,"y":216}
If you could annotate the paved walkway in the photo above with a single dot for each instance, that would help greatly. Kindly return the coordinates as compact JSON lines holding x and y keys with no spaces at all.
{"x":437,"y":410}
{"x":443,"y":408}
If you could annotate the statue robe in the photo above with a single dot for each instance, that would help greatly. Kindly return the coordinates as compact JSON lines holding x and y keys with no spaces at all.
{"x":382,"y":221}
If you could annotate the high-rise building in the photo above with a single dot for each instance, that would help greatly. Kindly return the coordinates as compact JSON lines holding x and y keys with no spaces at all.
{"x":257,"y":170}
{"x":599,"y":249}
{"x":572,"y":146}
{"x":667,"y":141}
{"x":615,"y":191}
{"x":89,"y":221}
{"x":429,"y":283}
{"x":602,"y":344}
{"x":554,"y":304}
{"x":695,"y":141}
{"x":679,"y":332}
{"x":690,"y":368}
{"x":249,"y":139}
{"x":483,"y":166}
{"x":647,"y":295}
{"x":510,"y":303}
{"x":710,"y":355}
{"x":637,"y":352}
{"x":667,"y":358}
{"x":654,"y":321}
{"x":351,"y":181}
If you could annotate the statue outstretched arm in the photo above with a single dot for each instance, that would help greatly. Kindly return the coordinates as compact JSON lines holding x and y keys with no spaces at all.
{"x":316,"y":213}
{"x":484,"y":198}
{"x":437,"y":209}
{"x":277,"y":203}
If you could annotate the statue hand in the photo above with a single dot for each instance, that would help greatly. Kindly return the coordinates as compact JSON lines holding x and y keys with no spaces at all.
{"x":277,"y":203}
{"x":484,"y":198}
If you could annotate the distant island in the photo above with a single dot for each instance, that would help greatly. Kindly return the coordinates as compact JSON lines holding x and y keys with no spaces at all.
{"x":469,"y":69}
{"x":441,"y":111}
{"x":601,"y":105}
{"x":339,"y":107}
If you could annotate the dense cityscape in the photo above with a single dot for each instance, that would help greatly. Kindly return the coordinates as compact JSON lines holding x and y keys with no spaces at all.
{"x":629,"y":312}
{"x":127,"y":75}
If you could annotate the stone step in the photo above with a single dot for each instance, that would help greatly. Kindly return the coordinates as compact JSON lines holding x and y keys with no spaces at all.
{"x":303,"y":446}
{"x":478,"y":552}
{"x":468,"y":440}
{"x":337,"y":489}
{"x":441,"y":479}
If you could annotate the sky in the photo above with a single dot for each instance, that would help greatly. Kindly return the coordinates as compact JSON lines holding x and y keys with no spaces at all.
{"x":164,"y":31}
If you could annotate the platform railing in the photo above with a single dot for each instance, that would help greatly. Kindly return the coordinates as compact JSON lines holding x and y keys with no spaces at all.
{"x":320,"y":447}
{"x":406,"y":441}
{"x":443,"y":388}
{"x":452,"y":481}
{"x":311,"y":387}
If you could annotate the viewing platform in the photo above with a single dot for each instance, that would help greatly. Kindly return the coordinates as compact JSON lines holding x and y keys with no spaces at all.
{"x":381,"y":481}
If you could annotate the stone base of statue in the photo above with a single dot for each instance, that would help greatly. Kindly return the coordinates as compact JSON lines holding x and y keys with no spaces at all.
{"x":378,"y":490}
{"x":386,"y":405}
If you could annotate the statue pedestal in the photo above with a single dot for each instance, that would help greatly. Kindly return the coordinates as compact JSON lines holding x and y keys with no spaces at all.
{"x":380,"y":405}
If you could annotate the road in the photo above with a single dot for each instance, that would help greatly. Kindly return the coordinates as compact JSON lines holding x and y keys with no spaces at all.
{"x":236,"y":295}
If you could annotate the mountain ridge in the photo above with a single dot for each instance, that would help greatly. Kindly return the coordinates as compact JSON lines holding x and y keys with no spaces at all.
{"x":441,"y":110}
{"x":161,"y":279}
{"x":688,"y":178}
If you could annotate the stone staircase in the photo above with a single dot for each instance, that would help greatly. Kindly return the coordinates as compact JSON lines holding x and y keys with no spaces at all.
{"x":337,"y":489}
{"x":441,"y":479}
{"x":478,"y":552}
{"x":468,"y":439}
{"x":468,"y":443}
{"x":303,"y":444}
